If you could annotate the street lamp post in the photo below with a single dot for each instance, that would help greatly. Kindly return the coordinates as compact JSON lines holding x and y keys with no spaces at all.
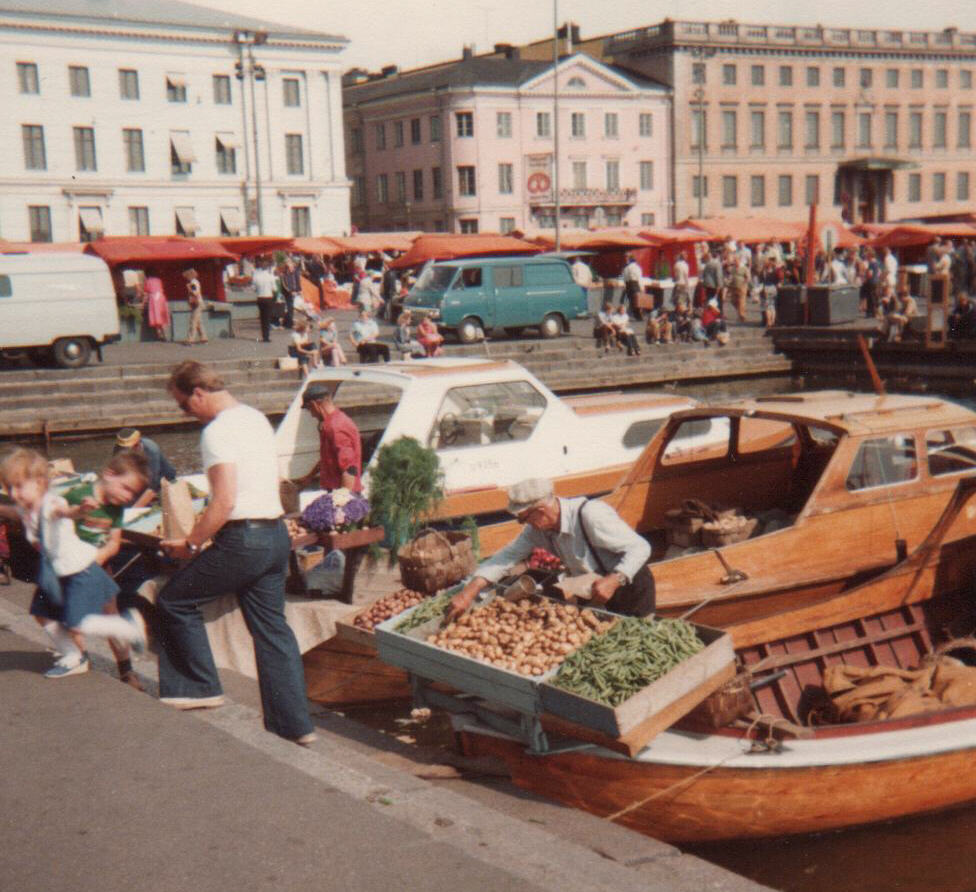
{"x":555,"y":117}
{"x":700,"y":54}
{"x":254,"y":72}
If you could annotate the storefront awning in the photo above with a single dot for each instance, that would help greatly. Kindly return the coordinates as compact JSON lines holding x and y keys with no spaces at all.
{"x":228,"y":141}
{"x":180,"y":140}
{"x":878,"y":164}
{"x":187,"y":220}
{"x":233,"y":220}
{"x":91,"y":219}
{"x":176,"y":80}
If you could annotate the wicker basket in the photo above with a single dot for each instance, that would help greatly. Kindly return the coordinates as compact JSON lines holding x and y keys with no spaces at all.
{"x":434,"y":560}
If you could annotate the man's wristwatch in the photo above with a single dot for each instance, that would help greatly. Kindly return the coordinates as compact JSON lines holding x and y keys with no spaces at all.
{"x":622,"y":578}
{"x":193,"y":548}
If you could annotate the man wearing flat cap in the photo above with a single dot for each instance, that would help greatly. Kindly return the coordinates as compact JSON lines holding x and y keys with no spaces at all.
{"x":159,"y":468}
{"x":587,"y":536}
{"x":340,"y":448}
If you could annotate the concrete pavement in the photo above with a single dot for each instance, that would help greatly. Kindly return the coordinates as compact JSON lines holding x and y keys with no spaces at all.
{"x":104,"y":788}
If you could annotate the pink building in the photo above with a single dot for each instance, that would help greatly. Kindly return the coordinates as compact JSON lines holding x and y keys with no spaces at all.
{"x":468,"y":146}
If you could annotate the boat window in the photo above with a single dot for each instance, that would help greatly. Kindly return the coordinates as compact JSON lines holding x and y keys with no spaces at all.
{"x":435,"y":278}
{"x":483,"y":414}
{"x":951,"y":451}
{"x":640,"y":432}
{"x":470,"y":278}
{"x":697,"y":439}
{"x":507,"y":276}
{"x":822,"y":436}
{"x":761,"y":434}
{"x":883,"y":461}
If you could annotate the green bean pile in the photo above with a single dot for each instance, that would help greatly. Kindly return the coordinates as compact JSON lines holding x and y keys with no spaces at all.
{"x":635,"y":652}
{"x":432,"y":608}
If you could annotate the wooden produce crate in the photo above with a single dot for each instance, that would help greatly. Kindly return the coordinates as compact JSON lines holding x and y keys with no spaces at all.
{"x":352,"y":539}
{"x":347,"y":630}
{"x":629,"y":727}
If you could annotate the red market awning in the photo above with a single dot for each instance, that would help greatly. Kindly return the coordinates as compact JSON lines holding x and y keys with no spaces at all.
{"x":327,"y":247}
{"x":917,"y":234}
{"x":375,"y":242}
{"x":133,"y":250}
{"x":597,"y":240}
{"x":662,"y":237}
{"x":251,"y":245}
{"x":445,"y":246}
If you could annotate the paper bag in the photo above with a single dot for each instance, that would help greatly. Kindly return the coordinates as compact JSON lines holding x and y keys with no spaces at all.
{"x":177,"y":505}
{"x":578,"y":586}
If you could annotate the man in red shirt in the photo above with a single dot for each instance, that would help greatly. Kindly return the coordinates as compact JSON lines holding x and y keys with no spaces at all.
{"x":340,"y":449}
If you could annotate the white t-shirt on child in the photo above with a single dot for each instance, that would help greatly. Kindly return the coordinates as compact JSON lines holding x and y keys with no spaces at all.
{"x":66,"y":552}
{"x":243,"y":437}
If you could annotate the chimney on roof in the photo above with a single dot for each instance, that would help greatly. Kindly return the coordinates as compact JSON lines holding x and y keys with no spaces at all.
{"x":468,"y":51}
{"x":389,"y":70}
{"x":355,"y":76}
{"x":508,"y":51}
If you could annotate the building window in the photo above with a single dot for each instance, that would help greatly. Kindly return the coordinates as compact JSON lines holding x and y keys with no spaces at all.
{"x":85,"y":148}
{"x":40,"y":223}
{"x":503,"y":124}
{"x":698,"y":72}
{"x":729,"y":138}
{"x":226,"y":154}
{"x":963,"y":136}
{"x":914,"y":187}
{"x":221,"y":89}
{"x":294,"y":156}
{"x":648,"y":219}
{"x":838,"y":136}
{"x":138,"y":221}
{"x":577,"y":125}
{"x":400,"y":187}
{"x":613,"y":176}
{"x":291,"y":92}
{"x":128,"y":83}
{"x":785,"y":190}
{"x":645,"y":124}
{"x":938,"y":186}
{"x":435,"y":128}
{"x":358,"y":190}
{"x":415,"y":131}
{"x":468,"y":227}
{"x":579,"y":174}
{"x":915,"y":130}
{"x":610,"y":125}
{"x":917,"y":84}
{"x":398,"y":134}
{"x":506,"y":225}
{"x":90,"y":223}
{"x":699,"y":136}
{"x":939,"y":130}
{"x":418,"y":185}
{"x":175,"y":88}
{"x":181,"y":155}
{"x":839,"y":77}
{"x":864,"y":130}
{"x":891,"y":129}
{"x":730,"y":192}
{"x":356,"y":140}
{"x":382,"y":188}
{"x":27,"y":78}
{"x":135,"y":156}
{"x":962,"y":186}
{"x":79,"y":80}
{"x":891,"y":78}
{"x":812,"y":189}
{"x":728,"y":75}
{"x":35,"y":158}
{"x":380,"y":133}
{"x":466,"y":181}
{"x":757,"y":191}
{"x":941,"y":78}
{"x":966,"y":79}
{"x":757,"y":127}
{"x":543,"y":124}
{"x":436,"y":182}
{"x":465,"y":123}
{"x":699,"y":187}
{"x":785,"y":134}
{"x":301,"y":222}
{"x":813,"y":76}
{"x":786,"y":75}
{"x":614,"y":218}
{"x":812,"y":121}
{"x":439,"y":226}
{"x":866,"y":77}
{"x":647,"y":175}
{"x":758,"y":75}
{"x":505,"y":179}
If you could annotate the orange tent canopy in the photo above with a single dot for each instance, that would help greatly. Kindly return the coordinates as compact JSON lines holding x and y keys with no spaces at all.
{"x":249,"y":245}
{"x":43,"y":247}
{"x":660,"y":237}
{"x":447,"y":246}
{"x":596,"y":240}
{"x":325,"y":246}
{"x":754,"y":230}
{"x":915,"y":234}
{"x":374,"y":242}
{"x":120,"y":250}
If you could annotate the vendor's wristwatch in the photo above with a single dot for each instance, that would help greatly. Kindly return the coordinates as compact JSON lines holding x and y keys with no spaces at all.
{"x":621,"y":578}
{"x":192,"y":547}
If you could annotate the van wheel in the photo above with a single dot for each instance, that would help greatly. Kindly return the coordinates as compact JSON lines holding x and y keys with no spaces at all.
{"x":470,"y":331}
{"x":72,"y":353}
{"x":552,"y":326}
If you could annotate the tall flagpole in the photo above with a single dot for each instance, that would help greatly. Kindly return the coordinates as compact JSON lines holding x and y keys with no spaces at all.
{"x":555,"y":114}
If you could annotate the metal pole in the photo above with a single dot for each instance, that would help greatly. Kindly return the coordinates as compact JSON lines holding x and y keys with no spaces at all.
{"x":555,"y":115}
{"x":254,"y":130}
{"x":700,"y":95}
{"x":247,"y":149}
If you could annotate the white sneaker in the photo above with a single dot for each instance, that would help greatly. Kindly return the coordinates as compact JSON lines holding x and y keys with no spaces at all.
{"x":194,"y":702}
{"x":71,"y":665}
{"x":134,"y":617}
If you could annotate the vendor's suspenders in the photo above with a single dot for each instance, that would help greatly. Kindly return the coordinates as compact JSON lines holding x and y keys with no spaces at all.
{"x":589,"y":544}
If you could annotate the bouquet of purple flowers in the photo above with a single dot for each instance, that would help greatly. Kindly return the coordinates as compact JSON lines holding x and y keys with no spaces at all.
{"x":340,"y":510}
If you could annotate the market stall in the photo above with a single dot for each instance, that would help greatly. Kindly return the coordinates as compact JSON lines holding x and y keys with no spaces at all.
{"x":445,"y":246}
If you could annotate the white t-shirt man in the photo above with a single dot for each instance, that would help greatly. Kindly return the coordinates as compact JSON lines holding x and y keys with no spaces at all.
{"x":633,"y":272}
{"x":243,"y":437}
{"x":838,"y":272}
{"x":263,"y":281}
{"x":681,"y":272}
{"x":582,"y":274}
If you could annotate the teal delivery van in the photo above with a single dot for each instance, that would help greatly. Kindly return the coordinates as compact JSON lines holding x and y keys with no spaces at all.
{"x":471,"y":297}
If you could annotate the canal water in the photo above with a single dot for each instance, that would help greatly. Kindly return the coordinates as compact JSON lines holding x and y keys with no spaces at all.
{"x":933,"y":853}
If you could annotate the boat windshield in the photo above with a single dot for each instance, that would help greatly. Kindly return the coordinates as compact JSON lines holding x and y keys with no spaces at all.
{"x":436,"y":278}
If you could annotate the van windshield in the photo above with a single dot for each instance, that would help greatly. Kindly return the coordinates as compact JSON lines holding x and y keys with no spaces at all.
{"x":436,"y":278}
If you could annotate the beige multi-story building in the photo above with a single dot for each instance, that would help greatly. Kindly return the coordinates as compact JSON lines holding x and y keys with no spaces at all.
{"x":875,"y":124}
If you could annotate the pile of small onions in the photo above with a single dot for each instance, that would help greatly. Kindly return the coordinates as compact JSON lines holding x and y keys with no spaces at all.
{"x":387,"y":606}
{"x":529,"y":637}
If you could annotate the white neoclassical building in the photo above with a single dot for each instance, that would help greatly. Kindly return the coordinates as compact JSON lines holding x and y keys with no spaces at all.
{"x":135,"y":117}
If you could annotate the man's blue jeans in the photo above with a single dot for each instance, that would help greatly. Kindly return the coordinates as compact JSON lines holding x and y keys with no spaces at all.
{"x":251,"y":562}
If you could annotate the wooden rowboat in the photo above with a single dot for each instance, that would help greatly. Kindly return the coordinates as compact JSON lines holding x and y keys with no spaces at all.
{"x":692,"y":784}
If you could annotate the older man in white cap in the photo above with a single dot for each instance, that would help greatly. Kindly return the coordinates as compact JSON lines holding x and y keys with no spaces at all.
{"x":587,"y":536}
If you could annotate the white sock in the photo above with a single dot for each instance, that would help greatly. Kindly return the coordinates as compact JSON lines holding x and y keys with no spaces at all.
{"x":109,"y":626}
{"x":64,"y":644}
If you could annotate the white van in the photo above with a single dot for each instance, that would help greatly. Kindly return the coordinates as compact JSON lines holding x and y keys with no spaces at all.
{"x":57,"y":304}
